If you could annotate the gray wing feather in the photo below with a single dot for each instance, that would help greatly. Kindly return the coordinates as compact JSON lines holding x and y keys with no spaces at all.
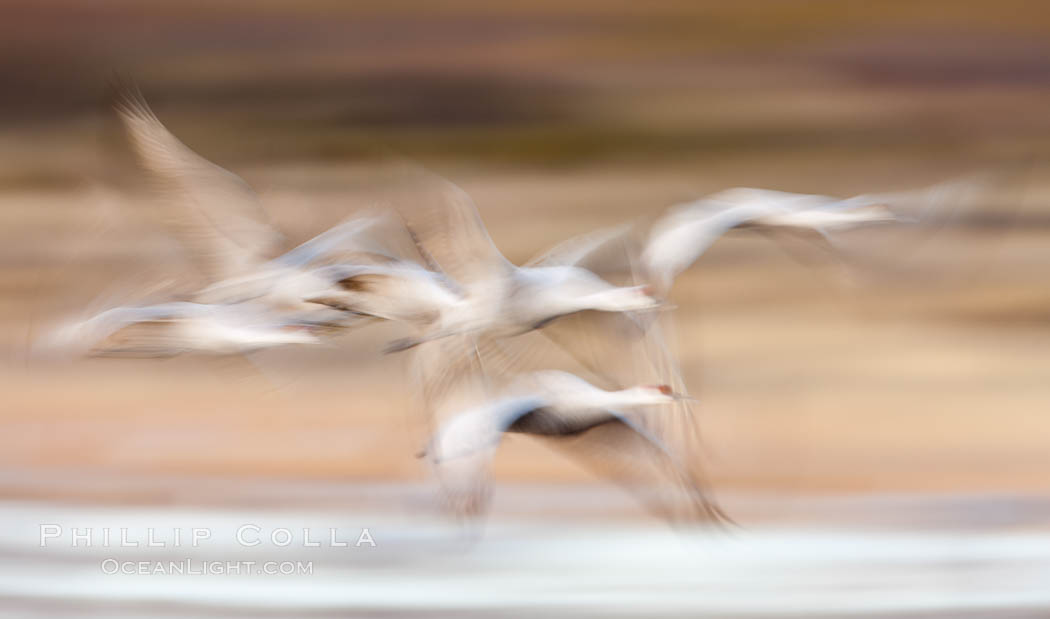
{"x":445,"y":223}
{"x":627,"y":453}
{"x":213,"y":212}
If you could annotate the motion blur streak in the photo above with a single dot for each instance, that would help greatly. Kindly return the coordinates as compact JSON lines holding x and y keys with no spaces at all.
{"x":719,"y":308}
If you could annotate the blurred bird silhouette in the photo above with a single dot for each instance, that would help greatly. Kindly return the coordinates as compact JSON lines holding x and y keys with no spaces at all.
{"x":583,"y":420}
{"x":686,"y":231}
{"x":499,"y":298}
{"x":497,"y":348}
{"x":171,"y":328}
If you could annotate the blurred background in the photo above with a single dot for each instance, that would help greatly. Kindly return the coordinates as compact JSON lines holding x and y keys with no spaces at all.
{"x":904,"y":387}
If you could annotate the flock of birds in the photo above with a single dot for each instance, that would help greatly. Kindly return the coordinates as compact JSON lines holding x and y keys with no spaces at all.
{"x":474,"y":319}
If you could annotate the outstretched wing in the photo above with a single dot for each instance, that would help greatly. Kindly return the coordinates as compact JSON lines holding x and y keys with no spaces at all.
{"x":445,"y":224}
{"x":213,"y":212}
{"x":356,"y":235}
{"x":463,"y":447}
{"x":627,"y":453}
{"x":449,"y":377}
{"x":620,"y":350}
{"x":93,"y":334}
{"x":611,"y":346}
{"x":932,"y":203}
{"x":596,"y":251}
{"x":680,"y":237}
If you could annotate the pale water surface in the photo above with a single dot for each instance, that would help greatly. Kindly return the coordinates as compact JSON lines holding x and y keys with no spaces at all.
{"x":562,"y":565}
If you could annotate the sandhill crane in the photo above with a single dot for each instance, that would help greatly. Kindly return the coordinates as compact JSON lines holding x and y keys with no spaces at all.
{"x":401,"y":291}
{"x":686,"y":231}
{"x":499,"y":298}
{"x":249,"y":300}
{"x":219,"y":220}
{"x":587,"y":422}
{"x":172,"y":328}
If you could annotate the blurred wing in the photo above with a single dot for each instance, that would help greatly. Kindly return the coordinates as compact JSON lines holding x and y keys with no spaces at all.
{"x":679,"y":238}
{"x":463,"y":449}
{"x":606,"y":344}
{"x":771,"y":200}
{"x":598,"y":251}
{"x":396,"y":290}
{"x":611,"y":346}
{"x":145,"y":339}
{"x":445,"y":224}
{"x":213,"y":212}
{"x":355,"y":235}
{"x":481,"y":428}
{"x":619,"y":350}
{"x":449,"y":377}
{"x":630,"y":455}
{"x":923,"y":211}
{"x":933,"y":205}
{"x":154,"y":323}
{"x":678,"y":427}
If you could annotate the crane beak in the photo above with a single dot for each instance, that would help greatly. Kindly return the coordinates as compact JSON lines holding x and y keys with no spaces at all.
{"x":683,"y":398}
